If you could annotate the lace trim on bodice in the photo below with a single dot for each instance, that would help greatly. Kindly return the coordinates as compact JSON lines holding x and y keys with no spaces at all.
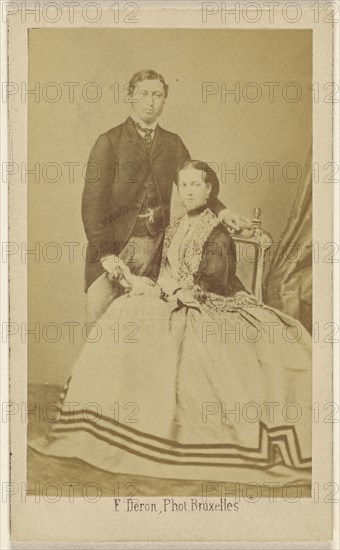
{"x":194,"y":251}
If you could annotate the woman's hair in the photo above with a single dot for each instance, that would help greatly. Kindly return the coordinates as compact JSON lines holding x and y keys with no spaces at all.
{"x":146,"y":74}
{"x":210,"y":174}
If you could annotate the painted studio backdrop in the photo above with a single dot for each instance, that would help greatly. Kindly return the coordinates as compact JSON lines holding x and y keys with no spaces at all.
{"x":239,"y":99}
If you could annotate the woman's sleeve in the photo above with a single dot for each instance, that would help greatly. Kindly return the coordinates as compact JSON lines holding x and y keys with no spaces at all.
{"x":218,"y":265}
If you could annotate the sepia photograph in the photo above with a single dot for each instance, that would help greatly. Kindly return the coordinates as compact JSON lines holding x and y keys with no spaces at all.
{"x":171,"y":259}
{"x":196,"y":205}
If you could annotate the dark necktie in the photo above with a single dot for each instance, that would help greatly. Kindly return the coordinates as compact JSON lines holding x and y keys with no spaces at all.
{"x":147,"y":133}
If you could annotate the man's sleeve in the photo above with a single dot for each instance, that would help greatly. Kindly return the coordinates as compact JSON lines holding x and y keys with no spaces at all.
{"x":216,"y":205}
{"x":96,"y":199}
{"x":182,"y":153}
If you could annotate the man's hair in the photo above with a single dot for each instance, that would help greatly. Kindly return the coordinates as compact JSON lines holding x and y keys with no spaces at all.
{"x":209,"y":177}
{"x":146,"y":74}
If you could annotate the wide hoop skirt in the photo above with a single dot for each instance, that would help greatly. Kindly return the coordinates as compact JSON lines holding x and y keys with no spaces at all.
{"x":181,"y":392}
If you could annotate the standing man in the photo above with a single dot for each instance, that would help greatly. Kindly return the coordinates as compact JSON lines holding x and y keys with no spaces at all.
{"x":127,"y":194}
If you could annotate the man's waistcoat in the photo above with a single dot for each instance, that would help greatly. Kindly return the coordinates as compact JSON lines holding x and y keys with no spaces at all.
{"x":119,"y":173}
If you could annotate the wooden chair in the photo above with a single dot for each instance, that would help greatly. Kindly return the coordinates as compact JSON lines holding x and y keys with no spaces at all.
{"x":251,"y":247}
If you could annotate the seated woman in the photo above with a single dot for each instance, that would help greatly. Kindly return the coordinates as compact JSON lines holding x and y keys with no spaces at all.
{"x":191,"y":377}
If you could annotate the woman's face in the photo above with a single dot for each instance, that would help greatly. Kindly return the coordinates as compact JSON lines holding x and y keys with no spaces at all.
{"x":193,"y":190}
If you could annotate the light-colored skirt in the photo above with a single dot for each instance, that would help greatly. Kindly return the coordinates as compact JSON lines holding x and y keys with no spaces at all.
{"x":190,"y":393}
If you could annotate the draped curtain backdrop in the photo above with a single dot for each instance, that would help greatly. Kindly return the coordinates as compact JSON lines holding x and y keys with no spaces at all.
{"x":288,"y":284}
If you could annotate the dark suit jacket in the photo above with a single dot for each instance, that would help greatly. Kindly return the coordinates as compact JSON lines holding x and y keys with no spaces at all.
{"x":118,"y":174}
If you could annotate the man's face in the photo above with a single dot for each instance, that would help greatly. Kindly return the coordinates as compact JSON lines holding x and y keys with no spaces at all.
{"x":148,"y":100}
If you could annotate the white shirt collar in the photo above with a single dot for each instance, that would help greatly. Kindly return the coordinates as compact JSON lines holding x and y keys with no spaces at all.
{"x":136,"y":118}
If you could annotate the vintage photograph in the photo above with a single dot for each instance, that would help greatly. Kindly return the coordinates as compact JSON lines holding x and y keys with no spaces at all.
{"x":169,"y":260}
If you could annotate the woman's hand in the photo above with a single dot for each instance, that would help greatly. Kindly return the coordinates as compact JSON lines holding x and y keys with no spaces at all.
{"x":141,"y":285}
{"x":187,"y":297}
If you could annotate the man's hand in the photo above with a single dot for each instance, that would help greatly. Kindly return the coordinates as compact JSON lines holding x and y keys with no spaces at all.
{"x":111,"y":264}
{"x":233,"y":220}
{"x":117,"y":270}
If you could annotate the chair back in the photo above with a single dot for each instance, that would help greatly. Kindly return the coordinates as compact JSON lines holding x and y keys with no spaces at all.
{"x":251,"y":247}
